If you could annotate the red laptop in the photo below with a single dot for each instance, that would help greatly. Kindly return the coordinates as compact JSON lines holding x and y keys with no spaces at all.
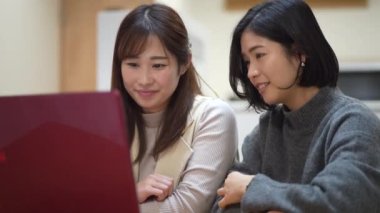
{"x":65,"y":153}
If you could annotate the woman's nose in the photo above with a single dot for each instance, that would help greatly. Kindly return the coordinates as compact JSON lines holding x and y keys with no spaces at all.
{"x":253,"y":72}
{"x":145,"y":77}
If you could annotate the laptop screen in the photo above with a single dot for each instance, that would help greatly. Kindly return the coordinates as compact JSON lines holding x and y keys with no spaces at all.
{"x":65,"y":153}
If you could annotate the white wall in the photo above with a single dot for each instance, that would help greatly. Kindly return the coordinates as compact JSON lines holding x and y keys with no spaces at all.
{"x":352,"y":32}
{"x":108,"y":22}
{"x":29,"y":40}
{"x":29,"y":46}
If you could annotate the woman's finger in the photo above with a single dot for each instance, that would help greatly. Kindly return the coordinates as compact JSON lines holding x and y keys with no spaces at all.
{"x":221,"y":191}
{"x":222,"y":203}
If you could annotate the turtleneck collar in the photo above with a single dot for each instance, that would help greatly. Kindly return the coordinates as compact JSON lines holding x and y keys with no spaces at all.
{"x":310,"y":114}
{"x":153,"y":120}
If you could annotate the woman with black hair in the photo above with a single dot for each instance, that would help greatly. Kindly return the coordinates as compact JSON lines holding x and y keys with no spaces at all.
{"x":315,"y":149}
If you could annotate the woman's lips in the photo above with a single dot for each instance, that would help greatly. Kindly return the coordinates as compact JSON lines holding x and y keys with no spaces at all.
{"x":146,"y":93}
{"x":261,"y":86}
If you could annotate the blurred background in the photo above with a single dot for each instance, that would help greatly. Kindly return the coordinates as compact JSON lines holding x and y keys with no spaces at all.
{"x":49,"y":46}
{"x":57,"y":46}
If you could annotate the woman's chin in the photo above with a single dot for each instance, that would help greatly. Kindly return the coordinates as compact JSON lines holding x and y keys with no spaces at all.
{"x":269,"y":101}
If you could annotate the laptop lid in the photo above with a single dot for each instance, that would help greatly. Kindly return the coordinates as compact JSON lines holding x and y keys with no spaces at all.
{"x":65,"y":153}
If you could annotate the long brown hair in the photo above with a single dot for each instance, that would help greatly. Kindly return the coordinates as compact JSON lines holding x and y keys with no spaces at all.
{"x":134,"y":30}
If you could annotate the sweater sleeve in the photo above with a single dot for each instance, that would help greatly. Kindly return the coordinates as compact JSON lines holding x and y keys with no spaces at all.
{"x":349,"y":181}
{"x":214,"y":150}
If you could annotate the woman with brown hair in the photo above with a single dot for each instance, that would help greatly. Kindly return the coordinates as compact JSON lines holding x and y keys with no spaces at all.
{"x":182,"y":142}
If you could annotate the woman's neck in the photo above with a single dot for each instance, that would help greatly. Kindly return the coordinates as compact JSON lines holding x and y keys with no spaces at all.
{"x":301,"y":95}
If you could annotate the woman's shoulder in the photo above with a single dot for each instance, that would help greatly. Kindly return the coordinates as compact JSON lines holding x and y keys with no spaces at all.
{"x":210,"y":108}
{"x":351,"y":109}
{"x":206,"y":103}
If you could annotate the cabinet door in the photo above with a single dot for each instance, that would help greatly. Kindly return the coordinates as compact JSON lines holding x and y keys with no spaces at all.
{"x":78,"y":40}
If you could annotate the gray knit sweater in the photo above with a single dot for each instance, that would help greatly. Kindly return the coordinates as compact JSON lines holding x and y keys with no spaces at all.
{"x":324,"y":157}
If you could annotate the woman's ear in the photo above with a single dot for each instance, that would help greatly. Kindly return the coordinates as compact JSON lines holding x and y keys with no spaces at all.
{"x":186,"y":66}
{"x":183,"y":69}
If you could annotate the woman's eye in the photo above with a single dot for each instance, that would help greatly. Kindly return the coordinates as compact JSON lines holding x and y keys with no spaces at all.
{"x":159,"y":66}
{"x":131,"y":64}
{"x":259,"y":55}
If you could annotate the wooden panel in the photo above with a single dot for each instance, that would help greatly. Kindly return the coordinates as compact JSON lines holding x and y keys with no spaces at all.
{"x":246,"y":4}
{"x":337,"y":3}
{"x":78,"y":40}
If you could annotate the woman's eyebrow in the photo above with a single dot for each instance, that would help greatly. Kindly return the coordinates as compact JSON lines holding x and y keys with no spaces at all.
{"x":250,"y":50}
{"x":159,"y":57}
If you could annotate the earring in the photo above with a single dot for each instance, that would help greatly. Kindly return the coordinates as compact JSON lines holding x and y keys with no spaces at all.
{"x":302,"y":64}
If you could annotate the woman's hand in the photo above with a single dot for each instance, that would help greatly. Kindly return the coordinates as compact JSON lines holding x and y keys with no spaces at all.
{"x":154,"y":185}
{"x":234,"y":188}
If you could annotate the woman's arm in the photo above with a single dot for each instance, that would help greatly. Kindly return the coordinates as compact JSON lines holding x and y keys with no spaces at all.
{"x":214,"y":150}
{"x":244,"y":170}
{"x":348,"y":180}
